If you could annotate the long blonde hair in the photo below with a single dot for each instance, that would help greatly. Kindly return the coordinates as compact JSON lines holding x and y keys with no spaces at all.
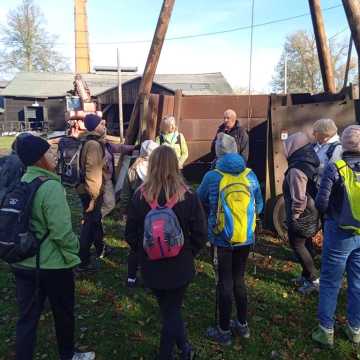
{"x":164,"y":174}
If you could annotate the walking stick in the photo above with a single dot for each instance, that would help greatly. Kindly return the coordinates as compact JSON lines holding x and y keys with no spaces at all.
{"x":216,"y":270}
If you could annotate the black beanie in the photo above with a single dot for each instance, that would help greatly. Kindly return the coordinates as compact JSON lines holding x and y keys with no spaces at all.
{"x":91,"y":121}
{"x":31,"y":149}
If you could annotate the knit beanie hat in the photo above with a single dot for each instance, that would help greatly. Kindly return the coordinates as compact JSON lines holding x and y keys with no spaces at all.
{"x":225,"y":144}
{"x":91,"y":121}
{"x":350,"y":139}
{"x":31,"y":149}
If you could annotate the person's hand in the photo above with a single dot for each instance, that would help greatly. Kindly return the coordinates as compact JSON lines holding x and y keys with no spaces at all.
{"x":91,"y":206}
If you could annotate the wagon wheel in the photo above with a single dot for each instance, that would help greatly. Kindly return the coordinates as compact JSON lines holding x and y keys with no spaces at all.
{"x":279,"y":218}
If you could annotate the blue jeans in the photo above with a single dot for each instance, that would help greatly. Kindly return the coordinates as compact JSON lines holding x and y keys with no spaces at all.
{"x":341,"y":252}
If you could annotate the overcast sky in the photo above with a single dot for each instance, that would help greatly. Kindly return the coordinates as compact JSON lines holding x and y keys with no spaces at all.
{"x":117,"y":21}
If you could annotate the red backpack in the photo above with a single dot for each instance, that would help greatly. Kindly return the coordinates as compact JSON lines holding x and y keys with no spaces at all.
{"x":163,"y":236}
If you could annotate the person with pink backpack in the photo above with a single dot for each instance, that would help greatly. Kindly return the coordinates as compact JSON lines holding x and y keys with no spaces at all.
{"x":166,"y":226}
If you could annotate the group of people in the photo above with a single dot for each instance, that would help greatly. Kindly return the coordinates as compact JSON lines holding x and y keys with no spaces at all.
{"x":167,"y":224}
{"x":322,"y":190}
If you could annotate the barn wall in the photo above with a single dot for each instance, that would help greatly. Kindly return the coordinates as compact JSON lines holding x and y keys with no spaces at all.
{"x":54,"y":110}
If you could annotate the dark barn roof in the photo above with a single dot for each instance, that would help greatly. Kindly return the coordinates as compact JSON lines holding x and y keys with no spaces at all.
{"x":44,"y":84}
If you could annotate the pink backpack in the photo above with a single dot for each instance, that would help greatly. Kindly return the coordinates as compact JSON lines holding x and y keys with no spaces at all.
{"x":163,"y":236}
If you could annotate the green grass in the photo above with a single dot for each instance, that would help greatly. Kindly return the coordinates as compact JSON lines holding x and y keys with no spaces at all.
{"x":119,"y":323}
{"x":5,"y":144}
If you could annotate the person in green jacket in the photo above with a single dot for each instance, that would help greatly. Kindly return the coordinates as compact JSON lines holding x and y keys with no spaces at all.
{"x":170,"y":136}
{"x":50,"y":218}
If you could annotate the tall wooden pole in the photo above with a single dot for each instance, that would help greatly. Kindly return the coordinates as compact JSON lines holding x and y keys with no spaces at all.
{"x":352,"y":10}
{"x":150,"y":68}
{"x":121,"y":119}
{"x":322,"y":45}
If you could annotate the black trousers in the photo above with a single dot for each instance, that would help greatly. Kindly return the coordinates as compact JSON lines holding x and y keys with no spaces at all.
{"x":173,"y":328}
{"x":305,"y":252}
{"x":91,"y":230}
{"x":231,"y":272}
{"x":133,"y":264}
{"x":58,"y":287}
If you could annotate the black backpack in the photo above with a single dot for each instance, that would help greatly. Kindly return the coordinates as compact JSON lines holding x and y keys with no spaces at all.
{"x":11,"y":171}
{"x":69,"y":165}
{"x":69,"y":156}
{"x":17,"y":242}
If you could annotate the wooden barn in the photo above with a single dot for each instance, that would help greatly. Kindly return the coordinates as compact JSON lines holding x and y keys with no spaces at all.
{"x":164,"y":84}
{"x":38,"y":100}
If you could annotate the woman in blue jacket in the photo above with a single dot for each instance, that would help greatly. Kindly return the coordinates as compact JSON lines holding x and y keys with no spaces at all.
{"x":230,"y":255}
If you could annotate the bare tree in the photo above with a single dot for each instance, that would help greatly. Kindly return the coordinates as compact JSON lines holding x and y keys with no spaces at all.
{"x":27,"y":46}
{"x":303,"y":69}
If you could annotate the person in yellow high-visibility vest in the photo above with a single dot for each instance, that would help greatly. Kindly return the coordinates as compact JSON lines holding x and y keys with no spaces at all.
{"x":339,"y":200}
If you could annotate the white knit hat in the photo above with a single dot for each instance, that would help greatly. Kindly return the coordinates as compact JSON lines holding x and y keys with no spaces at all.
{"x":225,"y":144}
{"x":350,"y":138}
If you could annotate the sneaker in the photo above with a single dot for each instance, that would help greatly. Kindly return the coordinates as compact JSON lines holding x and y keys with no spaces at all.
{"x":299,"y":281}
{"x":309,"y":287}
{"x":239,"y":329}
{"x":323,"y":336}
{"x":84,"y":356}
{"x":352,"y":334}
{"x":131,"y":283}
{"x":219,"y":336}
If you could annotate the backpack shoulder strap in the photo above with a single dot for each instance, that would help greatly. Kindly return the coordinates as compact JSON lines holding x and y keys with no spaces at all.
{"x":174,"y":199}
{"x":162,"y":140}
{"x":178,"y":141}
{"x":331,"y":149}
{"x":246,"y":172}
{"x":153,"y":204}
{"x":340,"y":164}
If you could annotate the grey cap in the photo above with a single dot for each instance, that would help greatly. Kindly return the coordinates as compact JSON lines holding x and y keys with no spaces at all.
{"x":225,"y":144}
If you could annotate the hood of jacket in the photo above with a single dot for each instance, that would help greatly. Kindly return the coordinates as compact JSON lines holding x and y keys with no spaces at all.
{"x":294,"y":142}
{"x":305,"y":154}
{"x":85,"y":134}
{"x":231,"y":163}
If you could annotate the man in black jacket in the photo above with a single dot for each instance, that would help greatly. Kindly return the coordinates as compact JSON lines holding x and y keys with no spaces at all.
{"x":232,"y":127}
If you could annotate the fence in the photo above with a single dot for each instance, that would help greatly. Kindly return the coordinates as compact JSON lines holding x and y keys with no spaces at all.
{"x":7,"y":127}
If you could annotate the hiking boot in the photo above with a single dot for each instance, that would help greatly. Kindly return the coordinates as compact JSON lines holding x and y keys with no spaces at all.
{"x":309,"y":287}
{"x":84,"y":356}
{"x":299,"y":281}
{"x":239,"y":329}
{"x":88,"y":268}
{"x":323,"y":336}
{"x":352,"y":334}
{"x":219,"y":336}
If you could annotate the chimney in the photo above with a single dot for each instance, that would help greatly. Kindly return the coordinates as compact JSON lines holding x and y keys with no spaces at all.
{"x":82,"y":57}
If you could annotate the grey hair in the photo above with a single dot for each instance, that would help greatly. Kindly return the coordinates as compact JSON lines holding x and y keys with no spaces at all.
{"x":326,"y":127}
{"x":166,"y":122}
